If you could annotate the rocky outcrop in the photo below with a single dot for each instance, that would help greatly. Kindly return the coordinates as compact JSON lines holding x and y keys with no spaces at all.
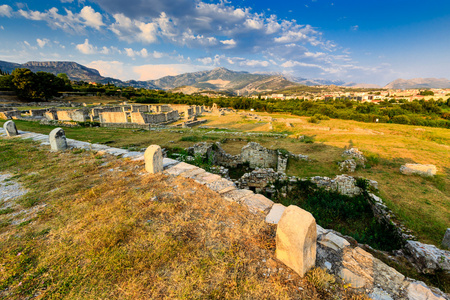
{"x":428,"y":258}
{"x":348,"y":165}
{"x":363,"y":271}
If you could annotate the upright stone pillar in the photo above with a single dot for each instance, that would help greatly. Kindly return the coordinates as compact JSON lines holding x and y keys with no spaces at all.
{"x":10,"y":128}
{"x":296,"y":239}
{"x":57,"y":139}
{"x":446,"y":240}
{"x":153,"y":159}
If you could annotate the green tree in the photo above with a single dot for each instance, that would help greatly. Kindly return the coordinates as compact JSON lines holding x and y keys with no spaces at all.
{"x":24,"y":82}
{"x":48,"y":85}
{"x":6,"y":82}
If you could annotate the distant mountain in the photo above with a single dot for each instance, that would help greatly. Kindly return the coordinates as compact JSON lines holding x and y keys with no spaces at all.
{"x":417,"y":83}
{"x":73,"y":70}
{"x":219,"y":79}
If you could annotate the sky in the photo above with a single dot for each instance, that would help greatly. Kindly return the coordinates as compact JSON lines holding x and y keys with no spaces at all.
{"x":371,"y":41}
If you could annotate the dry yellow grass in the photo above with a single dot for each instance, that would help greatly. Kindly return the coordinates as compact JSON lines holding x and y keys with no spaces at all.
{"x":108,"y":231}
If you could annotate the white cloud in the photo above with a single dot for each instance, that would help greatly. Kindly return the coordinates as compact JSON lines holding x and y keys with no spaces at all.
{"x":255,"y":63}
{"x":43,"y":42}
{"x":1,"y":27}
{"x":114,"y":69}
{"x":133,"y":30}
{"x":86,"y":48}
{"x":5,"y":11}
{"x":73,"y":23}
{"x":229,"y":43}
{"x":91,"y":18}
{"x":354,"y":28}
{"x":205,"y":60}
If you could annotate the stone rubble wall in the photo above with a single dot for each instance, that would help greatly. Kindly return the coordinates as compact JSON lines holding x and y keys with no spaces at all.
{"x":72,"y":115}
{"x":259,"y":156}
{"x":97,"y":110}
{"x":113,"y":117}
{"x":6,"y":115}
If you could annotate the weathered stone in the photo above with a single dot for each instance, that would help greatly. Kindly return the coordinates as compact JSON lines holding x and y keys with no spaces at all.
{"x":257,"y":203}
{"x":348,"y":165}
{"x":419,"y":291}
{"x":275,"y":213}
{"x":296,"y":239}
{"x":418,"y":169}
{"x":236,"y":195}
{"x":446,"y":239}
{"x":10,"y":128}
{"x":428,"y":258}
{"x":220,"y":185}
{"x":57,"y":139}
{"x":179,"y":168}
{"x":333,"y":241}
{"x":153,"y":159}
{"x":356,"y":154}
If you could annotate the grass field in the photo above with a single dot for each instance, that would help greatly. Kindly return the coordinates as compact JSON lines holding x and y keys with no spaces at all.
{"x":102,"y":228}
{"x":422,"y":204}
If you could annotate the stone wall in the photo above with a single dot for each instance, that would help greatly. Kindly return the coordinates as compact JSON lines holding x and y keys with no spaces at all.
{"x":5,"y":115}
{"x":259,"y":157}
{"x":72,"y":115}
{"x":113,"y":117}
{"x":95,"y":111}
{"x":37,"y":112}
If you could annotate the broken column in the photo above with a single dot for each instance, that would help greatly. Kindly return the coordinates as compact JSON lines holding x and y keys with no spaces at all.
{"x":296,"y":239}
{"x":153,"y":159}
{"x":57,"y":139}
{"x":10,"y":128}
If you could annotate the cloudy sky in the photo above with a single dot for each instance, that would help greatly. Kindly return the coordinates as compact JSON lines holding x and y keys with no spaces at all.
{"x":372,"y":41}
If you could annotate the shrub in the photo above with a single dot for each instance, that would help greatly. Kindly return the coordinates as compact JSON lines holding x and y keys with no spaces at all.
{"x":313,"y":120}
{"x":401,"y":119}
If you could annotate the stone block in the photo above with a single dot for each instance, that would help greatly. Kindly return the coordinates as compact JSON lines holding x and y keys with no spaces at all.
{"x":257,"y":203}
{"x":446,"y":240}
{"x":333,"y":241}
{"x":419,"y":291}
{"x":220,"y":185}
{"x":236,"y":195}
{"x":296,"y":239}
{"x":153,"y":159}
{"x":57,"y":139}
{"x":428,"y":258}
{"x":10,"y":128}
{"x":275,"y":213}
{"x":418,"y":169}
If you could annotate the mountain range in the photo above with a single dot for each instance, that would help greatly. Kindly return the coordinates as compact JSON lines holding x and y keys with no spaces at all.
{"x":218,"y":79}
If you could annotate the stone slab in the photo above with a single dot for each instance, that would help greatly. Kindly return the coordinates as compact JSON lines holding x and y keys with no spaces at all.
{"x":236,"y":195}
{"x":179,"y":168}
{"x":220,"y":184}
{"x":333,"y":241}
{"x":257,"y":203}
{"x":192,"y":173}
{"x":275,"y":213}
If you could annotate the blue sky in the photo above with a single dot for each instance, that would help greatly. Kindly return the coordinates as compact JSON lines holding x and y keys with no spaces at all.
{"x":373,"y":41}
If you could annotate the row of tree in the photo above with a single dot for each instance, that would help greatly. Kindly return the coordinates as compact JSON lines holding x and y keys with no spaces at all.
{"x":29,"y":86}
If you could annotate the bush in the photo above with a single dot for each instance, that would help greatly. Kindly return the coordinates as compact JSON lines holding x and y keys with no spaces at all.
{"x":313,"y":120}
{"x":401,"y":119}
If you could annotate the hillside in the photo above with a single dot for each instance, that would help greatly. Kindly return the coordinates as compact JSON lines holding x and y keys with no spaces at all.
{"x":417,"y":83}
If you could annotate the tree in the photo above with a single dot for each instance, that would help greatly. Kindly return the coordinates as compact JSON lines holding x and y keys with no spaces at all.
{"x":48,"y":85}
{"x":6,"y":82}
{"x":24,"y":82}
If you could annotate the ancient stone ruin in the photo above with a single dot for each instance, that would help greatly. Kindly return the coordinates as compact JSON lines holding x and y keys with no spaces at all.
{"x":57,"y":139}
{"x":10,"y":128}
{"x":296,"y":239}
{"x":153,"y":159}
